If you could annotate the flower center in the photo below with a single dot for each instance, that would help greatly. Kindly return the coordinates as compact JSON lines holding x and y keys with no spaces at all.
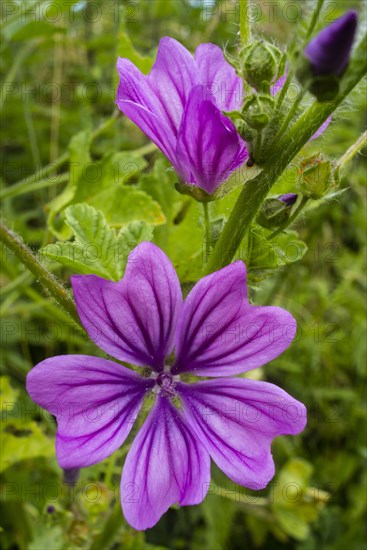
{"x":167,"y":383}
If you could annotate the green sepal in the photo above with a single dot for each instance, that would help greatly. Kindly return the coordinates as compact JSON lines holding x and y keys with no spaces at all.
{"x":316,"y":177}
{"x":273,"y":213}
{"x":258,"y":111}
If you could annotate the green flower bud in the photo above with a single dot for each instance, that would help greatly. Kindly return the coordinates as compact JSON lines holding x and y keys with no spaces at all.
{"x":245,"y":131}
{"x":316,"y":177}
{"x":274,"y":212}
{"x":260,"y":63}
{"x":258,"y":110}
{"x":193,"y":191}
{"x":323,"y":87}
{"x":231,"y":60}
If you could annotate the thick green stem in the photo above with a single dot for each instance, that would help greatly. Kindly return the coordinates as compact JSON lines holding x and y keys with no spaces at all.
{"x":48,"y":281}
{"x":245,"y":22}
{"x":291,"y":219}
{"x":255,"y":190}
{"x":352,"y":151}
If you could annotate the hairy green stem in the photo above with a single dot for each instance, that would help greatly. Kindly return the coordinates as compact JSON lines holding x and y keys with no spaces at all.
{"x":110,"y":530}
{"x":291,"y":218}
{"x":245,"y":22}
{"x":207,"y":226}
{"x":282,"y":153}
{"x":352,"y":151}
{"x":258,"y":146}
{"x":290,"y":115}
{"x":315,"y":18}
{"x":43,"y":174}
{"x":10,"y":76}
{"x":48,"y":281}
{"x":284,"y":90}
{"x":15,"y":191}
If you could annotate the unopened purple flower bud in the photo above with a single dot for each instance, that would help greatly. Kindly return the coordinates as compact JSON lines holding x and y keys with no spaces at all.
{"x":50,"y":509}
{"x":329,"y":51}
{"x":289,"y":198}
{"x":276,"y":210}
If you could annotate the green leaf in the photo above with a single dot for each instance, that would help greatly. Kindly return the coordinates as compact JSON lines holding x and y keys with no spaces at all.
{"x":261,"y":254}
{"x":126,"y":49}
{"x":105,"y":185}
{"x":53,"y":537}
{"x":184,"y":245}
{"x":181,"y":237}
{"x":79,"y":147}
{"x":20,"y":439}
{"x":34,"y":29}
{"x":219,"y":515}
{"x":289,"y":247}
{"x":160,"y":184}
{"x":97,"y":248}
{"x":292,"y":505}
{"x":123,"y":205}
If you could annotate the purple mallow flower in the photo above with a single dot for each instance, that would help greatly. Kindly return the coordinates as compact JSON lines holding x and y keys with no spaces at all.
{"x":179,"y":105}
{"x":215,"y":333}
{"x":329,"y":51}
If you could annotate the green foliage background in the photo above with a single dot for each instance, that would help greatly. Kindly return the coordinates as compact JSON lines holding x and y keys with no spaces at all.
{"x":58,"y":74}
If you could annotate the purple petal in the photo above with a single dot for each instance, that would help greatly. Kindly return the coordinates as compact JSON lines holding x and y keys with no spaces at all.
{"x":278,"y":85}
{"x":208,"y":145}
{"x":94,"y":400}
{"x":329,"y":51}
{"x":172,"y":77}
{"x":156,"y":102}
{"x":220,"y":334}
{"x":322,"y":128}
{"x":138,"y":102}
{"x":166,"y":464}
{"x":236,"y":420}
{"x":219,"y":77}
{"x":288,"y":198}
{"x":134,"y":319}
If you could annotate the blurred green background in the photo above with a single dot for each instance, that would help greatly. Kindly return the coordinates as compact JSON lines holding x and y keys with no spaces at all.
{"x":58,"y":81}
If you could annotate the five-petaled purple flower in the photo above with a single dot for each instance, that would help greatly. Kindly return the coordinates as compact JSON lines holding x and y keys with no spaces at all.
{"x":215,"y":333}
{"x":179,"y":106}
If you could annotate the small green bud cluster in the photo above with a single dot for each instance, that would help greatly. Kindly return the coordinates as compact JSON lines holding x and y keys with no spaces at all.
{"x":258,"y":110}
{"x":260,"y":64}
{"x":317,"y":177}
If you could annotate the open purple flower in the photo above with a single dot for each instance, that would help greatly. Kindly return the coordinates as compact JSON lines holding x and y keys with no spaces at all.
{"x":329,"y":51}
{"x":216,"y":333}
{"x":179,"y":105}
